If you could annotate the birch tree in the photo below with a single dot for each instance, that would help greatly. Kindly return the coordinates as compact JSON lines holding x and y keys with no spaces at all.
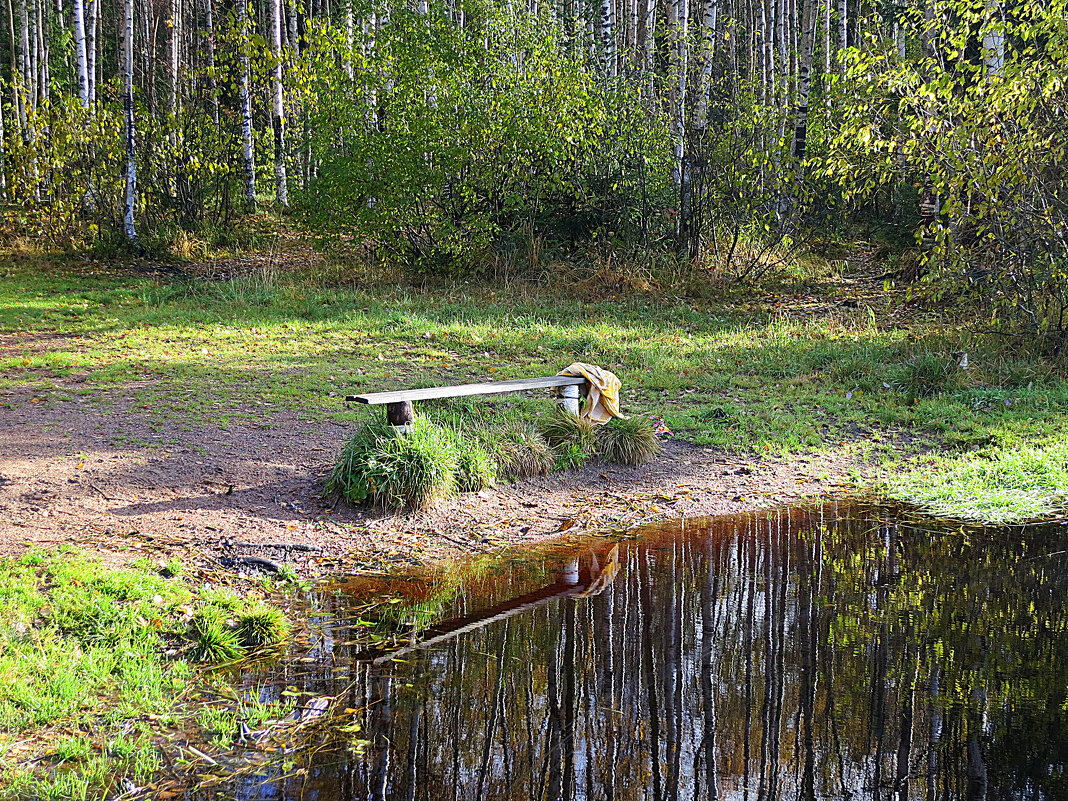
{"x":129,"y":127}
{"x":244,"y":90}
{"x":81,"y":53}
{"x":278,"y":105}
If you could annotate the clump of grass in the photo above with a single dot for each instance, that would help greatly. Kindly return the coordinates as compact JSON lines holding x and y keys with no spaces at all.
{"x":262,"y":625}
{"x":388,"y":470}
{"x":571,"y":456}
{"x":926,"y":374}
{"x":214,"y":640}
{"x":627,"y":441}
{"x":561,"y":429}
{"x":475,"y":469}
{"x":998,"y":486}
{"x":522,"y":452}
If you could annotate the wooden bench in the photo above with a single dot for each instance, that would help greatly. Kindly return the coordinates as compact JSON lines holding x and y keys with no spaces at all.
{"x":399,"y":410}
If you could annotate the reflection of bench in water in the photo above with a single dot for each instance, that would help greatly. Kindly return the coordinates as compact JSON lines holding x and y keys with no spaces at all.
{"x":572,"y":583}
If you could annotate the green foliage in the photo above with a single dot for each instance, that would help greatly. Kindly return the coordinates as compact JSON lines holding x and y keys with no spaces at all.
{"x":629,"y":441}
{"x":477,"y":149}
{"x":977,"y":140}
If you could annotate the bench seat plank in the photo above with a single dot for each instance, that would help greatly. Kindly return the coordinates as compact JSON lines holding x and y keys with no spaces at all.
{"x":460,"y":390}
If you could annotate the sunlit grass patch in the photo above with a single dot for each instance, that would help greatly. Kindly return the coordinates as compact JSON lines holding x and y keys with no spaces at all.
{"x":89,"y":654}
{"x":1000,"y":485}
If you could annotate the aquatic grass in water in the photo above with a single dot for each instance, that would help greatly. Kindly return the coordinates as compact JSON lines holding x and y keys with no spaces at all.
{"x":998,"y":486}
{"x":262,"y":625}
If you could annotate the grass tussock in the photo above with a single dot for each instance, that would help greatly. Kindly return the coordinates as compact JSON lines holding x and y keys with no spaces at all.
{"x":561,"y":428}
{"x":261,"y":625}
{"x":388,"y":470}
{"x":997,"y":486}
{"x":475,"y":469}
{"x":522,"y":452}
{"x":630,"y":441}
{"x":213,"y":638}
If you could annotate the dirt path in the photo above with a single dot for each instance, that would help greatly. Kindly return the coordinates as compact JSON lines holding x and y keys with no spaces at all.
{"x":103,"y":474}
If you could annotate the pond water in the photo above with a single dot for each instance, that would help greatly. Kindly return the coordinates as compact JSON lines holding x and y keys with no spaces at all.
{"x":830,"y":652}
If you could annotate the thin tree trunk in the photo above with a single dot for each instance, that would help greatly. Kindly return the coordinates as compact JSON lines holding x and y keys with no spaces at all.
{"x":247,"y":149}
{"x":608,"y":33}
{"x":804,"y":80}
{"x":80,"y":53}
{"x":209,"y":56}
{"x":128,"y":109}
{"x":278,"y":106}
{"x":91,"y":48}
{"x":708,"y":53}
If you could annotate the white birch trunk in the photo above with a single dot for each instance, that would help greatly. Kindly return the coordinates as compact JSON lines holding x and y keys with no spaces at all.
{"x":247,"y":150}
{"x":292,"y":31}
{"x":649,"y":45}
{"x":843,"y":26}
{"x":350,"y":38}
{"x":608,"y":33}
{"x":209,"y":55}
{"x":278,"y":106}
{"x":804,"y":79}
{"x":708,"y":55}
{"x":91,"y":48}
{"x":80,"y":53}
{"x":129,"y":127}
{"x":994,"y":39}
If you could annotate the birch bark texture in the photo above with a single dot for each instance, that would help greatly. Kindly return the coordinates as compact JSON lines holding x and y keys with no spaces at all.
{"x":248,"y":153}
{"x":129,"y":127}
{"x":278,"y":108}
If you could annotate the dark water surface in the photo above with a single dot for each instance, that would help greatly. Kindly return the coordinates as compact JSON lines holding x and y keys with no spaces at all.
{"x":822,"y":653}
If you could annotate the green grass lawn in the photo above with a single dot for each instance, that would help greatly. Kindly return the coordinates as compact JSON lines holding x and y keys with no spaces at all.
{"x":804,"y":369}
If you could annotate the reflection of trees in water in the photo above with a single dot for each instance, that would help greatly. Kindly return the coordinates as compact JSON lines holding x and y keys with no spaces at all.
{"x":772,"y":657}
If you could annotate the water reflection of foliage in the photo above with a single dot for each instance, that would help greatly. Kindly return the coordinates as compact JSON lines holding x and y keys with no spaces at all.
{"x":792,"y":654}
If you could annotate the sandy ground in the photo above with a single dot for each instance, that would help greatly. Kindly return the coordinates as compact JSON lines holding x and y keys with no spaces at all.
{"x":104,"y":474}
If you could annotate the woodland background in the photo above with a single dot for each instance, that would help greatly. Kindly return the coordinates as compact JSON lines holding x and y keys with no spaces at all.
{"x":461,"y":137}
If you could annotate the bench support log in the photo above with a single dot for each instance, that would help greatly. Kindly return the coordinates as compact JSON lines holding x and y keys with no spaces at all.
{"x":400,"y":415}
{"x":569,"y":399}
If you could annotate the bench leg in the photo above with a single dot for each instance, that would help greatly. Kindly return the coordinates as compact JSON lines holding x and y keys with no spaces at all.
{"x":400,"y":415}
{"x":569,"y":399}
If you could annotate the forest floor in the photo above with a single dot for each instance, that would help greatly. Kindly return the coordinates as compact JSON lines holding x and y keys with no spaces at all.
{"x":197,"y":416}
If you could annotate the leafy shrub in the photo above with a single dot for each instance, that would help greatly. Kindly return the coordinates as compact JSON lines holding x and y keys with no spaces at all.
{"x":627,"y":441}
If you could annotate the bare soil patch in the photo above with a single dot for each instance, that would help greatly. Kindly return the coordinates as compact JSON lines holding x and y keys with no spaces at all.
{"x":101,"y":473}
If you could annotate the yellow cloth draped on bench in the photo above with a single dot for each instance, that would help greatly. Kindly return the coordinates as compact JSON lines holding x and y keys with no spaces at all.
{"x":602,"y":401}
